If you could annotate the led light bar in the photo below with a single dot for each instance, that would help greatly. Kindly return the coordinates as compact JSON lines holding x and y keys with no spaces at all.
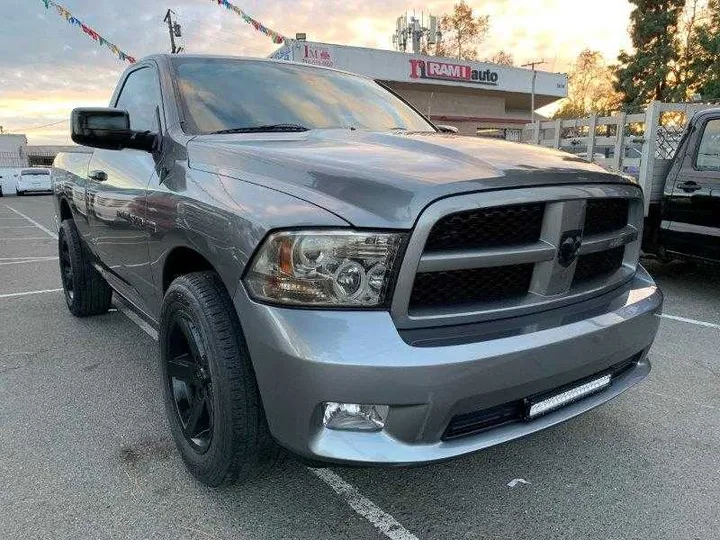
{"x":569,"y":396}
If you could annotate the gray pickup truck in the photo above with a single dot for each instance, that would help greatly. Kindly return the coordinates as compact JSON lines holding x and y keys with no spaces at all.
{"x":332,"y":275}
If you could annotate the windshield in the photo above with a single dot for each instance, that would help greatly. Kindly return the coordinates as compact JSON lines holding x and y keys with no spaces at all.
{"x":226,"y":94}
{"x":42,"y":172}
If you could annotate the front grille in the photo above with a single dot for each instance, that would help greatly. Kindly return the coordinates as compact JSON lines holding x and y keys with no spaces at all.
{"x":598,"y":265}
{"x":456,"y":288}
{"x":605,"y":215}
{"x":487,"y":228}
{"x":477,"y":257}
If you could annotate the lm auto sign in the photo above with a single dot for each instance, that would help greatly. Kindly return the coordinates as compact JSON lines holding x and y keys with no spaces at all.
{"x":430,"y":69}
{"x":317,"y":55}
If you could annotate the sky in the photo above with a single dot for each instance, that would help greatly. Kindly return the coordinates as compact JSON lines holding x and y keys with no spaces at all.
{"x":48,"y":67}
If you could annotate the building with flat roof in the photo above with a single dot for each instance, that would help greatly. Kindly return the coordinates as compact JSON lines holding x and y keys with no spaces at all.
{"x":479,"y":98}
{"x":17,"y":154}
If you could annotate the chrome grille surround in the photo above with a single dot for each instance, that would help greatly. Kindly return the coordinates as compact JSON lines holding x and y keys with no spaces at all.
{"x":551,"y":285}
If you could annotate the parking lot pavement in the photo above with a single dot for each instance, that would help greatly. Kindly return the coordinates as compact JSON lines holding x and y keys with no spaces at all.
{"x":87,"y":452}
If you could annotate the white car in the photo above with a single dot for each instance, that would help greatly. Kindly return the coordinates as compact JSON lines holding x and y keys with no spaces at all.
{"x":35,"y":180}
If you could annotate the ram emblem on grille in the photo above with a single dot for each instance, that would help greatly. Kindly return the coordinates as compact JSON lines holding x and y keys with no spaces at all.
{"x":569,"y":247}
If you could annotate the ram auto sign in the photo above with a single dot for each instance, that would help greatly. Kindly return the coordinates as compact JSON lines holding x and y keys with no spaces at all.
{"x":430,"y":69}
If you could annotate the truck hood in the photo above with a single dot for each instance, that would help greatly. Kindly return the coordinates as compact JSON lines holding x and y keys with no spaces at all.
{"x":373,"y":179}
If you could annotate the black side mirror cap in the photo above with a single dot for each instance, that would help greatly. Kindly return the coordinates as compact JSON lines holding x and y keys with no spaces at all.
{"x":109,"y":129}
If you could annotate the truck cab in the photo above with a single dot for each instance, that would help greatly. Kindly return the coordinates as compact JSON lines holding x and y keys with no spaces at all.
{"x":689,"y":224}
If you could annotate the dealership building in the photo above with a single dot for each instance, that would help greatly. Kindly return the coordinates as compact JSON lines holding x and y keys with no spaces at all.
{"x":478,"y":98}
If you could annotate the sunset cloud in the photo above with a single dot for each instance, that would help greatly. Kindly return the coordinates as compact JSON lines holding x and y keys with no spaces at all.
{"x":47,"y":67}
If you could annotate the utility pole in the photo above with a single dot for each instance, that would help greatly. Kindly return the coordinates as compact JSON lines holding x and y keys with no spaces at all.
{"x":532,"y":65}
{"x":174,"y":29}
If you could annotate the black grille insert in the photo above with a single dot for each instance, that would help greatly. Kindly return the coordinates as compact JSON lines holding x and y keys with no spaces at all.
{"x":597,"y":265}
{"x":487,"y":227}
{"x":475,"y":422}
{"x":605,"y":215}
{"x":454,"y":288}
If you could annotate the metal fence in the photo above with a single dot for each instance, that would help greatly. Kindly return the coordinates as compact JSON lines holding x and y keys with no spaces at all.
{"x":641,"y":145}
{"x":41,"y":158}
{"x":13,"y":160}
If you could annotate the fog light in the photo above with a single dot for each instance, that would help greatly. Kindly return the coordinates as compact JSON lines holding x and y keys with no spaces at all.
{"x":354,"y":417}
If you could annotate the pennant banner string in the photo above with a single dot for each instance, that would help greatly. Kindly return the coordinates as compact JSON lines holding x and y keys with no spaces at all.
{"x":276,"y":37}
{"x":65,"y":14}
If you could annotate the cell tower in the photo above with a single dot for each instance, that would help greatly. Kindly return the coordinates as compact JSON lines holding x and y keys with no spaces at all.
{"x":410,"y":29}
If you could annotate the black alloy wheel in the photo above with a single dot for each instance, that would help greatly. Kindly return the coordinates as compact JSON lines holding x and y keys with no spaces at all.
{"x":66,"y":270}
{"x":86,"y":291}
{"x":190,"y":384}
{"x":212,"y":399}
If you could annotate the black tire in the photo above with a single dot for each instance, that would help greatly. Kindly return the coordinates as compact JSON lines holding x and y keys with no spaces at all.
{"x":86,"y":291}
{"x":19,"y":193}
{"x":211,"y":396}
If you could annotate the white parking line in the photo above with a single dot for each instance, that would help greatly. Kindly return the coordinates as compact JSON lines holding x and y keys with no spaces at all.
{"x":134,"y":317}
{"x":31,"y":220}
{"x":690,"y":321}
{"x":27,"y":261}
{"x":363,"y":506}
{"x":32,"y":258}
{"x":26,"y":238}
{"x":28,"y":293}
{"x":382,"y":521}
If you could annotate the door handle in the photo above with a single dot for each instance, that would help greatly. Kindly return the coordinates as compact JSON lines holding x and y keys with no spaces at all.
{"x":98,"y":176}
{"x":689,"y":186}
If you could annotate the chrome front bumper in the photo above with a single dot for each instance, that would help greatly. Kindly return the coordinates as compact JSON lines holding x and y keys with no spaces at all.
{"x":303,"y":358}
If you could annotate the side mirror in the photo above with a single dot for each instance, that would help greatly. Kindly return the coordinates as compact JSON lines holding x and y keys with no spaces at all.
{"x":109,"y":129}
{"x":447,"y":129}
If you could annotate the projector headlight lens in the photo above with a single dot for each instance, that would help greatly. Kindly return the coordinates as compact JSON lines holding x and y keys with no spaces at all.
{"x":325,"y":268}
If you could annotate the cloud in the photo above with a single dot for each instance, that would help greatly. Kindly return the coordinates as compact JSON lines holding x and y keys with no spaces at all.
{"x":47,"y":67}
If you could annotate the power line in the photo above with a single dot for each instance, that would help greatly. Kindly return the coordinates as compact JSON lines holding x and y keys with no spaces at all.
{"x":211,"y":32}
{"x":42,"y":126}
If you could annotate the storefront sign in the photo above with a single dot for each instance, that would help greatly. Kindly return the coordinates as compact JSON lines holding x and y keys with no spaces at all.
{"x":281,"y":54}
{"x":430,"y":69}
{"x":317,"y":56}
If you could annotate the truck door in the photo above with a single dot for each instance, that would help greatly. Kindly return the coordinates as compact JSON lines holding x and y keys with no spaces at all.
{"x":691,"y":223}
{"x":117,"y":186}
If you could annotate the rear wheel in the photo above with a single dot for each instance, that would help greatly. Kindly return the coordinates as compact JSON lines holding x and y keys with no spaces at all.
{"x":211,"y":396}
{"x":86,"y":291}
{"x":19,"y":193}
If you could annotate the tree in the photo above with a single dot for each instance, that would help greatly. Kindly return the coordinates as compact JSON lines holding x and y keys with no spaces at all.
{"x":462,"y":32}
{"x":647,"y":73}
{"x":590,"y":88}
{"x":681,"y":75}
{"x":502,"y":58}
{"x":705,"y":65}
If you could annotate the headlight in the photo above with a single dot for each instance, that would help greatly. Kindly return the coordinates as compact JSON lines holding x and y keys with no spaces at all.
{"x":325,"y":268}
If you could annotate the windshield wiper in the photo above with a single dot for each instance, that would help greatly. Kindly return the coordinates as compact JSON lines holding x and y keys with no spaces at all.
{"x":264,"y":129}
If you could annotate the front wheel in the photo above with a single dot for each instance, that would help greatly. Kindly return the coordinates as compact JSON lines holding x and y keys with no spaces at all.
{"x":86,"y":291}
{"x":211,"y":396}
